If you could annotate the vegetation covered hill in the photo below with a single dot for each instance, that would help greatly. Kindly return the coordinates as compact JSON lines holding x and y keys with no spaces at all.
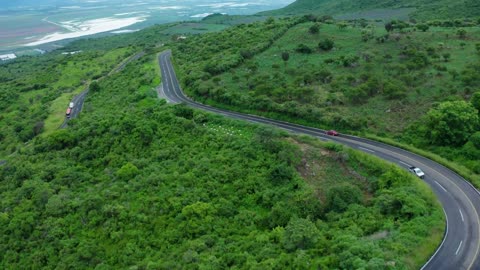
{"x":34,"y":91}
{"x":398,"y":80}
{"x":418,"y":9}
{"x":137,"y":183}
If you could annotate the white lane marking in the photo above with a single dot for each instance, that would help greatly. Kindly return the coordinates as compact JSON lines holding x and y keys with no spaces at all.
{"x":406,"y":164}
{"x":461,"y":214}
{"x":459,"y":247}
{"x":366,"y":149}
{"x":441,"y":186}
{"x":441,"y":245}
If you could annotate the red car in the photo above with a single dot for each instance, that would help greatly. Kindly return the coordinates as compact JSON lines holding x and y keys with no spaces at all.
{"x":332,"y":133}
{"x":69,"y":112}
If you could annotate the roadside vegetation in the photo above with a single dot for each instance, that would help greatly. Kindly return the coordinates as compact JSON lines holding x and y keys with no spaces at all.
{"x":416,"y":83}
{"x":137,"y":183}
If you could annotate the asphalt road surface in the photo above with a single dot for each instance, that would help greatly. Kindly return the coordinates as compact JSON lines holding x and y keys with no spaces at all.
{"x":125,"y":63}
{"x":460,"y":200}
{"x":78,"y":101}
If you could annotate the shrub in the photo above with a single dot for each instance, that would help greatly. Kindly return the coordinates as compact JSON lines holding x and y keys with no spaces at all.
{"x":326,"y":45}
{"x":451,"y":123}
{"x":300,"y":234}
{"x":302,"y":48}
{"x":314,"y":29}
{"x":341,"y":196}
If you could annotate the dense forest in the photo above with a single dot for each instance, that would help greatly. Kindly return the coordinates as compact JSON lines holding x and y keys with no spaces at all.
{"x":417,"y":83}
{"x":135,"y":182}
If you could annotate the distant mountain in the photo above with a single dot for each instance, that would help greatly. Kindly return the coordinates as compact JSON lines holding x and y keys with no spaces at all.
{"x":420,"y":9}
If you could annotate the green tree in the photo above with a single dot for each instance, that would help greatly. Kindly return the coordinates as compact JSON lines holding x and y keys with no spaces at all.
{"x":341,"y":196}
{"x":314,"y":29}
{"x":326,"y":44}
{"x":302,"y":48}
{"x":446,"y":57}
{"x":246,"y":54}
{"x":94,"y":86}
{"x":342,"y":25}
{"x":300,"y":234}
{"x":389,"y":26}
{"x":475,"y":139}
{"x":285,"y":57}
{"x":475,"y":100}
{"x":281,"y":173}
{"x":127,"y":171}
{"x":451,"y":123}
{"x":462,"y":33}
{"x":423,"y":27}
{"x":182,"y":110}
{"x":38,"y":128}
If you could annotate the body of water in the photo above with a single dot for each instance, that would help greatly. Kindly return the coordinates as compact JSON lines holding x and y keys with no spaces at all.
{"x":33,"y":23}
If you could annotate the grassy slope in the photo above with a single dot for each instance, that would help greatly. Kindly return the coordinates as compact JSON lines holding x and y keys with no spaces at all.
{"x":425,"y":9}
{"x":381,"y":115}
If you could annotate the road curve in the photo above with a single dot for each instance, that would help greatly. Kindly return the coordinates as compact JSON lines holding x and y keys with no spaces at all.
{"x":460,"y":200}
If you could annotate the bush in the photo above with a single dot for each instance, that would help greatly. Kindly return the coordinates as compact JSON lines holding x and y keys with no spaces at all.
{"x":451,"y":123}
{"x":300,"y":234}
{"x":94,"y":86}
{"x":341,"y":196}
{"x":302,"y":48}
{"x":127,"y":172}
{"x":314,"y":29}
{"x":281,"y":173}
{"x":326,"y":45}
{"x":423,"y":27}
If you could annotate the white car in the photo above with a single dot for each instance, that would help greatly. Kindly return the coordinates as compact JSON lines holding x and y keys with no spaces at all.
{"x":417,"y":172}
{"x":71,"y":105}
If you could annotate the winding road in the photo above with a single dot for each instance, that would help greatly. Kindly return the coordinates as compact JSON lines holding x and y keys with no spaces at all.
{"x":460,"y":200}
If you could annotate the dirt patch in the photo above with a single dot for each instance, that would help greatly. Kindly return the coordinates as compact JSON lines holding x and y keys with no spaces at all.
{"x":322,"y":168}
{"x":378,"y":235}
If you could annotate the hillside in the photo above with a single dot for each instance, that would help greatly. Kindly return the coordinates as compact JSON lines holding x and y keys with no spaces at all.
{"x":137,"y":183}
{"x":356,"y":77}
{"x":418,"y":9}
